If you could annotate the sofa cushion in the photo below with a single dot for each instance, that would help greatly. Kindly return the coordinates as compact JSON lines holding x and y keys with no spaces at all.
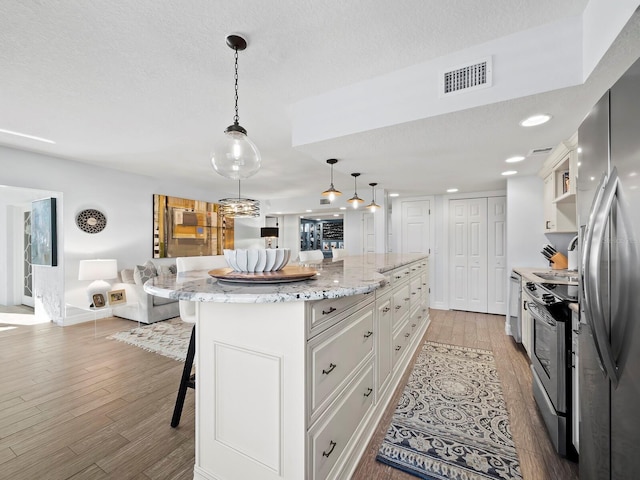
{"x":126,"y":275}
{"x":145,"y":272}
{"x":166,"y":269}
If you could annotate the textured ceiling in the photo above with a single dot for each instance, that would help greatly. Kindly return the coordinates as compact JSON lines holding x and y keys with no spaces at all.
{"x":147,"y":86}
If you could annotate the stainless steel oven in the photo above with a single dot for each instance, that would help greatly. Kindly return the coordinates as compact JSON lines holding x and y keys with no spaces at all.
{"x":551,"y":360}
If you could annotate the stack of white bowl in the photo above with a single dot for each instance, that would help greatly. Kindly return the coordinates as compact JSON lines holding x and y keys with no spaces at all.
{"x":256,"y":260}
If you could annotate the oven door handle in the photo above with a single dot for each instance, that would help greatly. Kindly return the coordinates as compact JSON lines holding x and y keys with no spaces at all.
{"x":593,"y":276}
{"x":534,"y":313}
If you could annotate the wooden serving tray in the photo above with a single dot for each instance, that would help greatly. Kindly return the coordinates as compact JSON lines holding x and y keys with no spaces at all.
{"x":287,"y":274}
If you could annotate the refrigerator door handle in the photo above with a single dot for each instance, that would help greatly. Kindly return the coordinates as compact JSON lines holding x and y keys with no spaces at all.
{"x":586,"y":270}
{"x":594,"y":275}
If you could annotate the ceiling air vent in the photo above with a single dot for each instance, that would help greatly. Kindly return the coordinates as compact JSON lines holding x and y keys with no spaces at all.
{"x":540,"y":151}
{"x":325,"y":201}
{"x":467,"y":77}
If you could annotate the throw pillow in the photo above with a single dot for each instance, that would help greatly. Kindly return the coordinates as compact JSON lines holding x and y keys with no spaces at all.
{"x":142,"y":273}
{"x":127,"y":275}
{"x":166,"y":269}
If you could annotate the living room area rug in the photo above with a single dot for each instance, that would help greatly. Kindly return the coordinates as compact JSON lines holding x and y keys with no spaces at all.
{"x":169,"y":337}
{"x":451,"y":421}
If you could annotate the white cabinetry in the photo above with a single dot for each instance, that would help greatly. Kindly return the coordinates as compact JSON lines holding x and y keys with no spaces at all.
{"x":527,"y":323}
{"x":559,"y":174}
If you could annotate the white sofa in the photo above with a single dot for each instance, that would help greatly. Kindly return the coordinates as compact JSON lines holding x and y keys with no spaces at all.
{"x":141,"y":306}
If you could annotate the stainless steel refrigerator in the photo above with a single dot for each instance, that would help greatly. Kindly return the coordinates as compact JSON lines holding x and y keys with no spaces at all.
{"x":608,"y":205}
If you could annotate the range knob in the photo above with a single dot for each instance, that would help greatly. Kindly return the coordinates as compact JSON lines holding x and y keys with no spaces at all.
{"x":548,"y":298}
{"x":531,"y":286}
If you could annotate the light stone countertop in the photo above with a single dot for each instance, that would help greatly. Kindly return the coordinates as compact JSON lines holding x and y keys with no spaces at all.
{"x":351,"y":275}
{"x":562,"y":276}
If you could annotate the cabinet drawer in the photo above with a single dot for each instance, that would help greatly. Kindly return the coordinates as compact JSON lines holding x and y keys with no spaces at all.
{"x":334,"y":356}
{"x":321,"y":314}
{"x":400,"y":341}
{"x":415,"y":289}
{"x":328,"y":440}
{"x":401,"y":304}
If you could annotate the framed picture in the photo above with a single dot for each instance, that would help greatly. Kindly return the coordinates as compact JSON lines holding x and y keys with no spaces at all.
{"x":44,"y":245}
{"x":117,"y":296}
{"x":98,"y":300}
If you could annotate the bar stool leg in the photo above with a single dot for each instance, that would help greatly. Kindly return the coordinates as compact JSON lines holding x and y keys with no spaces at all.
{"x":187,"y":380}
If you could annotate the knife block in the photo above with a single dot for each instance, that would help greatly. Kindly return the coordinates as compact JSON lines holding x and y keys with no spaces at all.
{"x":559,"y":261}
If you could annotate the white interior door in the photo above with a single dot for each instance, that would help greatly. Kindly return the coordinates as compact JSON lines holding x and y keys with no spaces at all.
{"x":415,"y":226}
{"x":497,"y":256}
{"x":468,"y":254}
{"x":369,"y":232}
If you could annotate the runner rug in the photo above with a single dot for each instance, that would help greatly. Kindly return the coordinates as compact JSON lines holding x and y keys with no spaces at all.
{"x":169,"y":338}
{"x":452,"y":422}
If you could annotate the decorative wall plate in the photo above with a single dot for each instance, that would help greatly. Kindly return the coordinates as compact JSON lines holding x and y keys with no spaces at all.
{"x":91,"y":221}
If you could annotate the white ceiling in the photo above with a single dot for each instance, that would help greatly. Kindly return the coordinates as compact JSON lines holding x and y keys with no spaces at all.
{"x":146,"y":86}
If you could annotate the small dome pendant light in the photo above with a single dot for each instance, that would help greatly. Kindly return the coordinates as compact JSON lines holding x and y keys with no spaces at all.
{"x":373,"y":206}
{"x":236,"y":156}
{"x":355,"y":200}
{"x":331,"y":192}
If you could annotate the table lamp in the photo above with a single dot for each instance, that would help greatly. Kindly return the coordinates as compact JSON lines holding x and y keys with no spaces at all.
{"x":269,"y":233}
{"x":98,"y":270}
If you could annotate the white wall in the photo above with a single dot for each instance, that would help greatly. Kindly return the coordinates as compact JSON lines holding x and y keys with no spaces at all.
{"x":125,"y":199}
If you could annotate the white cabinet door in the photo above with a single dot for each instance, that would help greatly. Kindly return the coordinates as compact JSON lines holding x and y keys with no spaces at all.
{"x":468,"y":244}
{"x":497,"y":256}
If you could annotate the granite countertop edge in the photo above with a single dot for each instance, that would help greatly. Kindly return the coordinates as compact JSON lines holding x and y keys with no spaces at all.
{"x":353,"y":275}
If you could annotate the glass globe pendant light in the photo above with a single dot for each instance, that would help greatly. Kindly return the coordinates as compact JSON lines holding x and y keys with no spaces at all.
{"x":355,"y":200}
{"x":236,"y":156}
{"x":373,"y":206}
{"x":331,"y":192}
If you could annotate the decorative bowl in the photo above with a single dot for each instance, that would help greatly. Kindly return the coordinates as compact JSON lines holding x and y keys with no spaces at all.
{"x":256,"y":260}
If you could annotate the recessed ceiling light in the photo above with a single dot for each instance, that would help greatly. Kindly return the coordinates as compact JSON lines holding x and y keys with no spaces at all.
{"x":509,"y":172}
{"x":318,"y":219}
{"x":343,"y":208}
{"x":308,"y":211}
{"x":336,"y":214}
{"x":517,"y":158}
{"x":394,"y":194}
{"x":534,"y":120}
{"x":579,"y":149}
{"x":24,"y":135}
{"x":452,"y":190}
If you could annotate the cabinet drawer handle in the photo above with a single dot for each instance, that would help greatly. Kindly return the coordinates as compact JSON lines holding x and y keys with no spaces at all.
{"x":398,"y":277}
{"x":369,"y":390}
{"x":368,"y":334}
{"x":414,"y":325}
{"x":406,"y":335}
{"x":398,"y":347}
{"x":407,"y":299}
{"x":332,"y":444}
{"x":398,"y":307}
{"x":331,"y":367}
{"x":327,"y":312}
{"x":406,"y":273}
{"x":385,"y":309}
{"x":414,"y":293}
{"x":419,"y":288}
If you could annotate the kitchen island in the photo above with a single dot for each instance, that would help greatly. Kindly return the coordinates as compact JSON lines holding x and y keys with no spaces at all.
{"x":293,"y":378}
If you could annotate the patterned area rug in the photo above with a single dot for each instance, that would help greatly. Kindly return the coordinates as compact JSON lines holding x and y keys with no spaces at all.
{"x":169,"y":338}
{"x":452,"y":422}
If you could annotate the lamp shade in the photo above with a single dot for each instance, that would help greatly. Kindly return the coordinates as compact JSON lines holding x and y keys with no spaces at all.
{"x":269,"y":232}
{"x":98,"y":269}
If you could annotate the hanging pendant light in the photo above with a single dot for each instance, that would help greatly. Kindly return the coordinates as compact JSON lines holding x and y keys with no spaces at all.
{"x":331,"y":192}
{"x":355,"y":200}
{"x":236,"y":156}
{"x":239,"y":207}
{"x":373,"y":206}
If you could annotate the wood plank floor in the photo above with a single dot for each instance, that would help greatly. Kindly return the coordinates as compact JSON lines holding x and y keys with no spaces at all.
{"x":538,"y":460}
{"x":78,"y":406}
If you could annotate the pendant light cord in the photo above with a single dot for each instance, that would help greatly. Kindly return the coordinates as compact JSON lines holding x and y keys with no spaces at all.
{"x":236,"y":118}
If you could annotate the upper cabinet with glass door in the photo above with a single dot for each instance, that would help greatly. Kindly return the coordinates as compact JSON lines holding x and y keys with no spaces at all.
{"x":559,"y":174}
